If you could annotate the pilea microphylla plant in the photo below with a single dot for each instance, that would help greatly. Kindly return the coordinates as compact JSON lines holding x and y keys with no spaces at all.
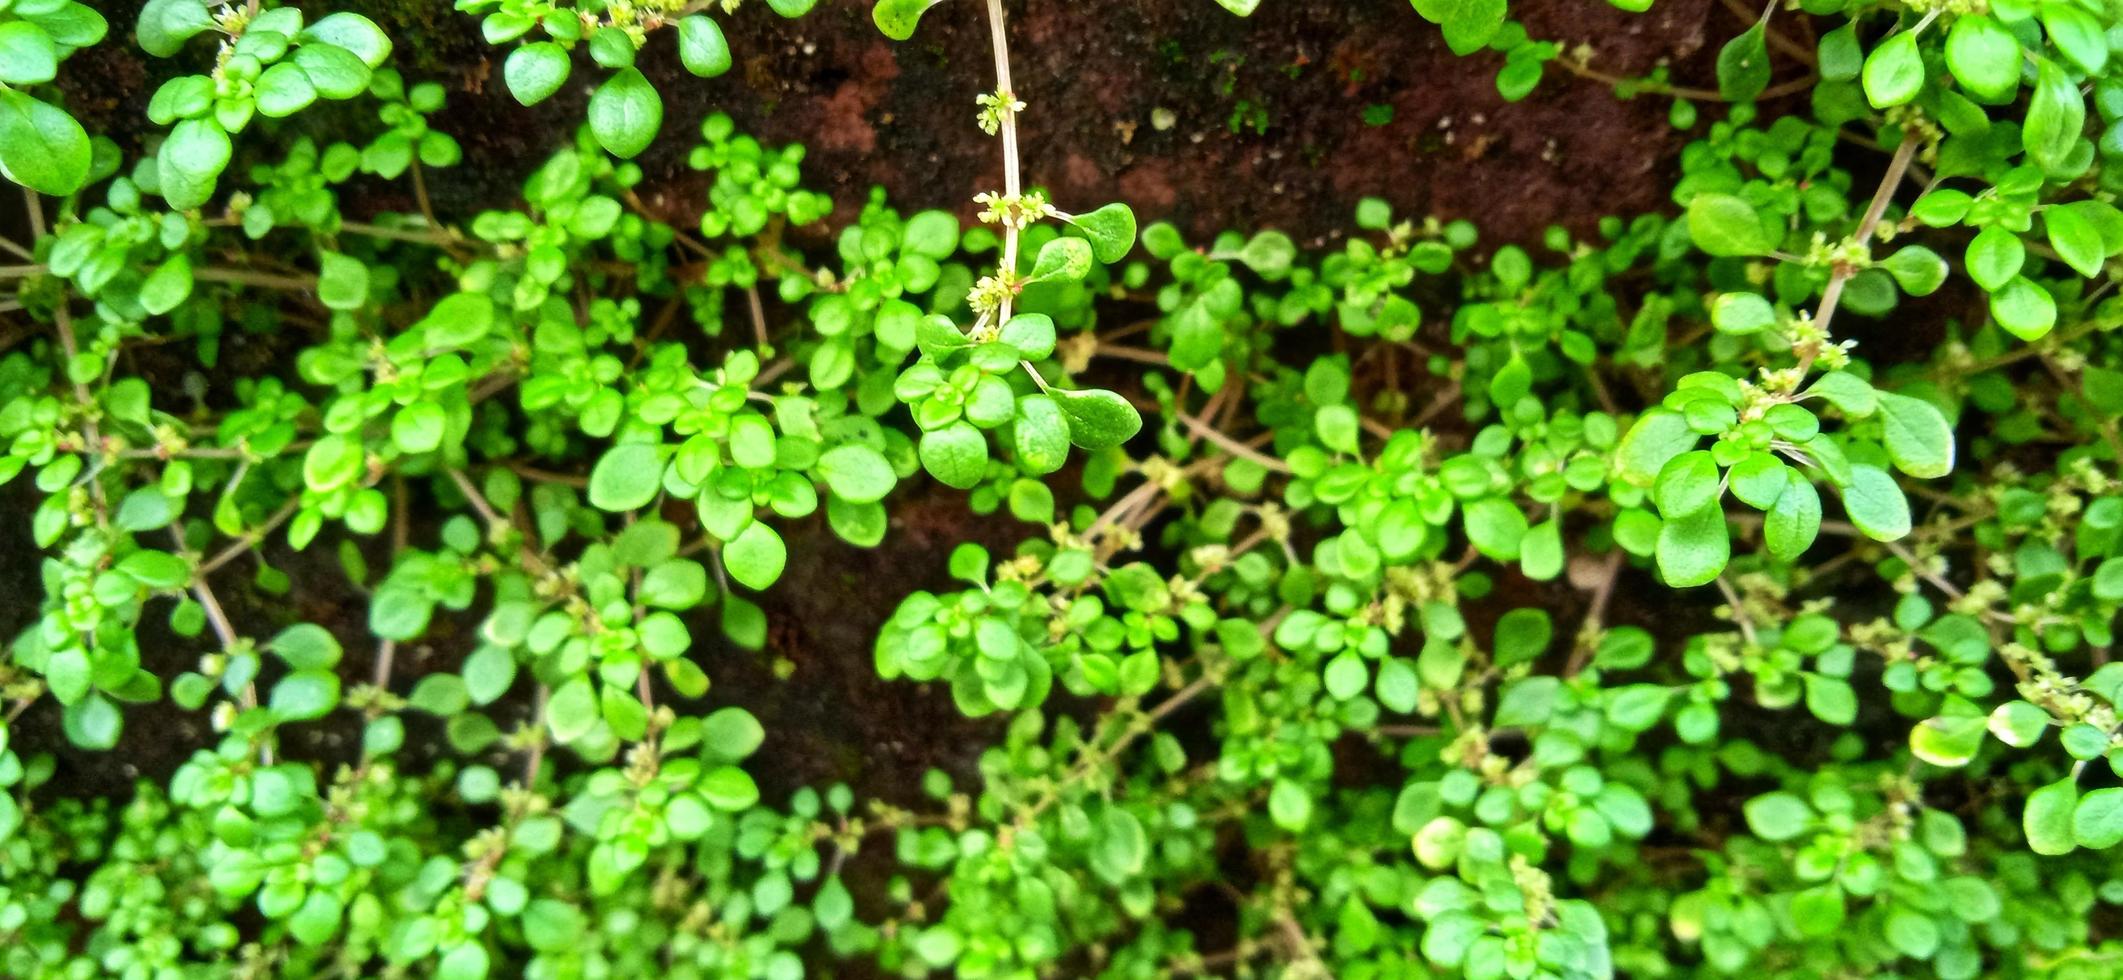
{"x":1683,"y":600}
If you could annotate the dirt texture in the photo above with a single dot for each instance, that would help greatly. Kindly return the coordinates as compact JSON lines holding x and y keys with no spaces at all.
{"x":1285,"y":120}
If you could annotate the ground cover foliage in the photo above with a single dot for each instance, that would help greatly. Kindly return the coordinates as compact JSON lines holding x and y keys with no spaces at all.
{"x":1308,"y":655}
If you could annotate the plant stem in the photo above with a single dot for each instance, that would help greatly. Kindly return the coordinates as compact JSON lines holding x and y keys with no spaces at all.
{"x":1833,"y":294}
{"x":759,"y":316}
{"x":250,"y":539}
{"x":437,"y":236}
{"x":223,"y":630}
{"x":1008,"y":117}
{"x":1230,"y":445}
{"x":266,"y":280}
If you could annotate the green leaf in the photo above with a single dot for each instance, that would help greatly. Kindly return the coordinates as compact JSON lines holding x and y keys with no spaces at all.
{"x":144,"y":510}
{"x":1918,"y":270}
{"x":2097,"y":822}
{"x":2056,"y":116}
{"x":92,"y":723}
{"x":756,"y":556}
{"x":1912,"y":933}
{"x":467,"y":960}
{"x":355,"y":34}
{"x":732,"y":733}
{"x":1743,"y":65}
{"x":1693,"y":549}
{"x":418,"y":428}
{"x":1098,"y":419}
{"x":306,"y":695}
{"x":1468,"y":24}
{"x":1759,"y":479}
{"x":1111,"y":230}
{"x":1724,"y":225}
{"x":168,"y":286}
{"x":1040,"y":435}
{"x":612,"y":47}
{"x":1122,"y":844}
{"x":27,"y":54}
{"x":1657,"y":437}
{"x":1742,"y":313}
{"x":856,"y":473}
{"x":1526,"y":702}
{"x":1399,"y":688}
{"x":1522,"y":635}
{"x":399,"y":613}
{"x":897,"y":19}
{"x":1269,"y":253}
{"x":701,"y":46}
{"x":1818,"y":911}
{"x":1289,"y":805}
{"x":1830,"y":699}
{"x":67,"y":675}
{"x":2047,"y":820}
{"x":191,"y":159}
{"x":677,"y":583}
{"x":1346,"y":676}
{"x":165,"y":25}
{"x":1853,"y":395}
{"x":1778,"y":816}
{"x":1918,"y":439}
{"x":317,"y":920}
{"x":155,"y":569}
{"x":628,"y":476}
{"x":2078,"y":34}
{"x":1066,"y":259}
{"x":342,"y":281}
{"x":1984,"y":57}
{"x":1496,"y":527}
{"x":956,"y":455}
{"x":335,"y":72}
{"x":729,"y":788}
{"x":1688,"y":483}
{"x":535,"y":71}
{"x":333,"y":461}
{"x":1894,"y":71}
{"x":1794,"y":521}
{"x":458,"y":320}
{"x":1032,"y":334}
{"x":41,"y":147}
{"x":2018,"y":723}
{"x":2024,"y":308}
{"x":1841,"y":57}
{"x":2076,"y":240}
{"x":931,"y":233}
{"x":625,"y":113}
{"x":1337,"y":427}
{"x":1994,"y":256}
{"x":572,"y":711}
{"x":488,"y":674}
{"x":283,"y":91}
{"x":1876,"y":504}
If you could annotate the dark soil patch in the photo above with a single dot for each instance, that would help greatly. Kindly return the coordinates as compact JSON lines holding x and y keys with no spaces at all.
{"x":1267,"y":115}
{"x":1280,"y":120}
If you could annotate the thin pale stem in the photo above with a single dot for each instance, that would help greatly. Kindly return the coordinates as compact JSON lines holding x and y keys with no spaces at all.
{"x":1008,"y":117}
{"x":1832,"y":296}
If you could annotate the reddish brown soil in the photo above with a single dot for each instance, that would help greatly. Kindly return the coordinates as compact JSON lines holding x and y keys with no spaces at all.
{"x":1268,"y":130}
{"x":1096,"y":74}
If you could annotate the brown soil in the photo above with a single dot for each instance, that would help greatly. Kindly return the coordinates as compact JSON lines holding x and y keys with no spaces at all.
{"x":1267,"y":113}
{"x":1268,"y":129}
